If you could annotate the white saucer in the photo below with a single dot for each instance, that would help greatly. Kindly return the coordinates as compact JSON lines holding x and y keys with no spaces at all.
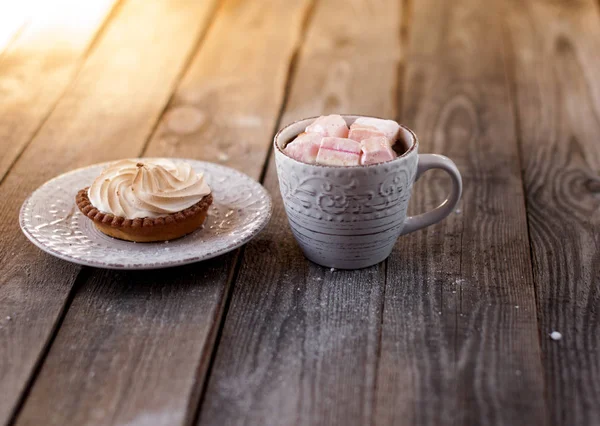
{"x":50,"y":219}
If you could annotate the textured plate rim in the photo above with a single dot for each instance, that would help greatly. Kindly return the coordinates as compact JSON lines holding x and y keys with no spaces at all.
{"x":260,"y":225}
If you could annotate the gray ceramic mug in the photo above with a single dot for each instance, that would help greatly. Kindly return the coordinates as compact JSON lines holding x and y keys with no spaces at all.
{"x":351,"y":217}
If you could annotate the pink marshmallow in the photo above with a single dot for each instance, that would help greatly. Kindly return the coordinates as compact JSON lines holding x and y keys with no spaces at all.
{"x":329,"y":125}
{"x":359,"y":134}
{"x":389,"y":128}
{"x":376,"y":150}
{"x":339,"y":152}
{"x":304,"y":148}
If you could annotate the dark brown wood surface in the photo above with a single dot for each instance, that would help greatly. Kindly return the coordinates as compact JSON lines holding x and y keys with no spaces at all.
{"x":459,"y":342}
{"x":162,"y":337}
{"x":34,"y":287}
{"x":452,"y":329}
{"x":555,"y":61}
{"x":299,"y":344}
{"x":38,"y":66}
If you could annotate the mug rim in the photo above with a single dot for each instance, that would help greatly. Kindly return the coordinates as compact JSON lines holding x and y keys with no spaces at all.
{"x":404,"y":155}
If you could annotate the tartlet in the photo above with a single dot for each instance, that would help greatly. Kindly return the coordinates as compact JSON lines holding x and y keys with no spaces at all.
{"x":162,"y":184}
{"x":144,"y":230}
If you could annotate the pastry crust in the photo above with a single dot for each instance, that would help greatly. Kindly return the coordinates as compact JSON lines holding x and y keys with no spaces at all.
{"x":146,"y":229}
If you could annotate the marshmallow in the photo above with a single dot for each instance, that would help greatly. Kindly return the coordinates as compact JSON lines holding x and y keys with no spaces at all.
{"x":388,"y":128}
{"x":359,"y":134}
{"x":329,"y":125}
{"x":304,"y":148}
{"x":376,"y":150}
{"x":339,"y":152}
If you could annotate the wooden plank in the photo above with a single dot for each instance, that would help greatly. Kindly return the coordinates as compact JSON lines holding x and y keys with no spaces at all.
{"x":39,"y":65}
{"x":299,"y":344}
{"x":555,"y":66}
{"x":226,"y":108}
{"x":131,"y":348}
{"x":146,"y":338}
{"x":108,"y":112}
{"x":459,"y":342}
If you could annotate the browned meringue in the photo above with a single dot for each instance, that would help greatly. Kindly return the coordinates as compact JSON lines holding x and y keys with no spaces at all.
{"x":147,"y":188}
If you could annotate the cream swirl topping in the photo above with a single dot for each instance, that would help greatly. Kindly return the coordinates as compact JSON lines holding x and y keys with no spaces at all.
{"x":147,"y":188}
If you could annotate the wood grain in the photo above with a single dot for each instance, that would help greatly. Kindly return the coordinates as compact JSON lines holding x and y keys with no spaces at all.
{"x":37,"y":68}
{"x":108,"y":112}
{"x":299,"y":344}
{"x":226,"y":106}
{"x":555,"y":67}
{"x":134,"y":348}
{"x":459,"y":343}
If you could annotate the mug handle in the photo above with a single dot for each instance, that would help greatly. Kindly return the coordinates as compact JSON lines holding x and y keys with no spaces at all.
{"x":435,"y":161}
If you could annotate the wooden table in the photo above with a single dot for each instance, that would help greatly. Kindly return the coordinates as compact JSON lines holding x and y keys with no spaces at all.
{"x":452,"y":329}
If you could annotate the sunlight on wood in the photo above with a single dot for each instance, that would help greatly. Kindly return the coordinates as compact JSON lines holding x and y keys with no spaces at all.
{"x":12,"y":17}
{"x":37,"y":64}
{"x":74,"y":13}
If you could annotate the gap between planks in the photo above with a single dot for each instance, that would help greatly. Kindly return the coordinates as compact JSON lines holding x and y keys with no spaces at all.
{"x":556,"y":97}
{"x":79,"y":280}
{"x":217,"y":318}
{"x":335,"y":101}
{"x":114,"y":10}
{"x":85,"y":272}
{"x":510,"y":75}
{"x":216,"y":7}
{"x":404,"y":36}
{"x":237,"y":264}
{"x":447,"y":356}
